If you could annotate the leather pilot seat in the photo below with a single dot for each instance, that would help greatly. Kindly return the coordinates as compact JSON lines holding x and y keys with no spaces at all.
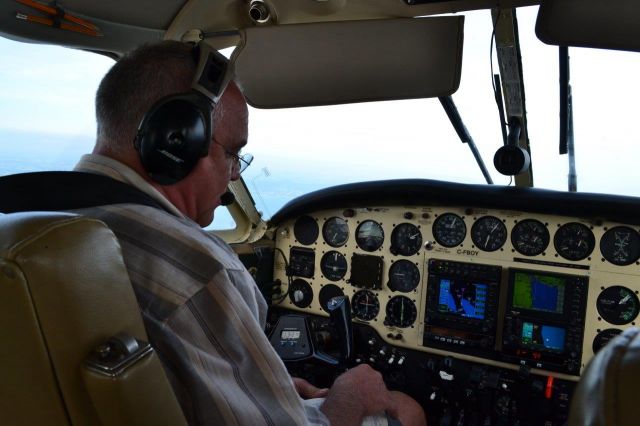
{"x":73,"y":348}
{"x":608,"y":389}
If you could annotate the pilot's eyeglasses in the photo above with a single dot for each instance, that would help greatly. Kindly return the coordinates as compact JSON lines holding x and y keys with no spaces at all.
{"x":241,"y":161}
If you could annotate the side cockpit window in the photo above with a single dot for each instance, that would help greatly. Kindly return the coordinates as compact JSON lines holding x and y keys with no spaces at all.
{"x":46,"y":105}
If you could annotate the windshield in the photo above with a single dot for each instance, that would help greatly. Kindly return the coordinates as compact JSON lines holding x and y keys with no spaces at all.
{"x":47,"y":122}
{"x":305,"y":149}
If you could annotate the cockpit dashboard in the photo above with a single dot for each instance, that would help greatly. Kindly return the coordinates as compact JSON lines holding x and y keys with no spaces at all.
{"x":528,"y":281}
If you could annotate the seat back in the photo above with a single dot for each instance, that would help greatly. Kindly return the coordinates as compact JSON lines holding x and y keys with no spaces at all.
{"x":607,"y":392}
{"x":65,"y":291}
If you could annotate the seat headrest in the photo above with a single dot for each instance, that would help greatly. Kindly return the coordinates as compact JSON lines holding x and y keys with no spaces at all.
{"x":18,"y":227}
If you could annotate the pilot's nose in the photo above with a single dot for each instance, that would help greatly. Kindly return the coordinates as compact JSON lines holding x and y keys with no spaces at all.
{"x":235,"y":173}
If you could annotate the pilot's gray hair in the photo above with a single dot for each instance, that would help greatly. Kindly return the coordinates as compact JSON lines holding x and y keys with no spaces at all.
{"x":133,"y":85}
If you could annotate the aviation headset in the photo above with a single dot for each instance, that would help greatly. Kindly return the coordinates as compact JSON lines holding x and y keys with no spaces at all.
{"x":176,"y":132}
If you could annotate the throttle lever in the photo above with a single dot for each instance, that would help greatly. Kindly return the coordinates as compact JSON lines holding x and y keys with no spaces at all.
{"x":340,"y":315}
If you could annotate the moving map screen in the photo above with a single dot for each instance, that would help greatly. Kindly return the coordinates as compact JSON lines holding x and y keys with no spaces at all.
{"x":536,"y":292}
{"x":462,"y":298}
{"x":537,"y":336}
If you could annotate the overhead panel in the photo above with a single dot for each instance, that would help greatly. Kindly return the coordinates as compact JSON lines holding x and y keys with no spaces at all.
{"x":120,"y":25}
{"x":345,"y":62}
{"x":590,"y":23}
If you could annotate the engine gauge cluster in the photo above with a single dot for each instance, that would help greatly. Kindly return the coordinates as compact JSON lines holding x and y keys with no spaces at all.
{"x":530,"y":237}
{"x":574,"y":241}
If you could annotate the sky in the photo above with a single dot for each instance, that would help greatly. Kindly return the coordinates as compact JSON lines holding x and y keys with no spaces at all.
{"x":47,"y":121}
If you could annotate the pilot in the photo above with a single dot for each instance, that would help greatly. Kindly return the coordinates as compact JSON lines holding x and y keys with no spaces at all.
{"x":202,"y":310}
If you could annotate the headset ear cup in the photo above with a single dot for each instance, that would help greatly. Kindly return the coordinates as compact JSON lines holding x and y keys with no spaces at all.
{"x":173,"y":135}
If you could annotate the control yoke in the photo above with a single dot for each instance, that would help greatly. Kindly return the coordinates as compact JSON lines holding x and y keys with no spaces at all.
{"x":340,"y":314}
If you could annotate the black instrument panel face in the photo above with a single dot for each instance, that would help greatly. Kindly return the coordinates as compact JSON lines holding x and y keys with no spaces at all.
{"x":380,"y":257}
{"x":449,"y":230}
{"x":488,"y":233}
{"x":620,"y":245}
{"x":335,"y":231}
{"x":574,"y":241}
{"x":369,"y":235}
{"x":406,"y":239}
{"x":530,"y":237}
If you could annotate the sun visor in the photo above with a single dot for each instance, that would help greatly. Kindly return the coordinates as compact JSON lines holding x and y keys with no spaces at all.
{"x":345,"y":62}
{"x":590,"y":23}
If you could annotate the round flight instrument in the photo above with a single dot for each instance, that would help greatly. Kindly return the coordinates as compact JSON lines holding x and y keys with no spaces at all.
{"x":401,"y":312}
{"x":530,"y":237}
{"x":488,"y":233}
{"x":620,"y":245}
{"x":618,"y":305}
{"x":574,"y":241}
{"x":406,"y":239}
{"x":300,"y":293}
{"x":328,"y":292}
{"x":369,"y":235}
{"x":449,"y":230}
{"x":306,"y":230}
{"x":604,"y":337}
{"x":333,"y":265}
{"x":404,"y":276}
{"x":365,"y":305}
{"x":335,"y":231}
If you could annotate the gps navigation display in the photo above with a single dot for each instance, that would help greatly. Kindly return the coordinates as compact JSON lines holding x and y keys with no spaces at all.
{"x":538,"y":292}
{"x":537,"y":336}
{"x":462,"y":298}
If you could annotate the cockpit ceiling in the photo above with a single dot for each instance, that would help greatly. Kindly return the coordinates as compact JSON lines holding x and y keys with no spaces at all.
{"x":125,"y":24}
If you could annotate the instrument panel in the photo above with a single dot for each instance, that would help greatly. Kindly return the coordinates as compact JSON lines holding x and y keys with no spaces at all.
{"x":500,"y":287}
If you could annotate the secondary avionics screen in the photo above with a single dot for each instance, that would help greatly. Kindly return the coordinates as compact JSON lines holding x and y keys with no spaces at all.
{"x":462,"y":298}
{"x":537,"y":336}
{"x":537,"y":292}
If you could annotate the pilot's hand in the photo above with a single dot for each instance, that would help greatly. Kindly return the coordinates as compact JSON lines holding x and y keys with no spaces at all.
{"x":307,"y":391}
{"x":358,"y":393}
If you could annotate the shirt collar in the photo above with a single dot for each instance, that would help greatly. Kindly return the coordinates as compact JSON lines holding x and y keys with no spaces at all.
{"x":99,"y":164}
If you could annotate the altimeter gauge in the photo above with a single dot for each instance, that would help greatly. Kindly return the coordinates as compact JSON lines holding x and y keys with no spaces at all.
{"x":488,"y":233}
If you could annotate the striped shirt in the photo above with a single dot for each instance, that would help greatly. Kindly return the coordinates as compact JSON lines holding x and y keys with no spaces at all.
{"x":203,"y":313}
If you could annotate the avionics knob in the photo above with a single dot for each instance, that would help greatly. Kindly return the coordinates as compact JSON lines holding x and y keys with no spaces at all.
{"x":298,"y":296}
